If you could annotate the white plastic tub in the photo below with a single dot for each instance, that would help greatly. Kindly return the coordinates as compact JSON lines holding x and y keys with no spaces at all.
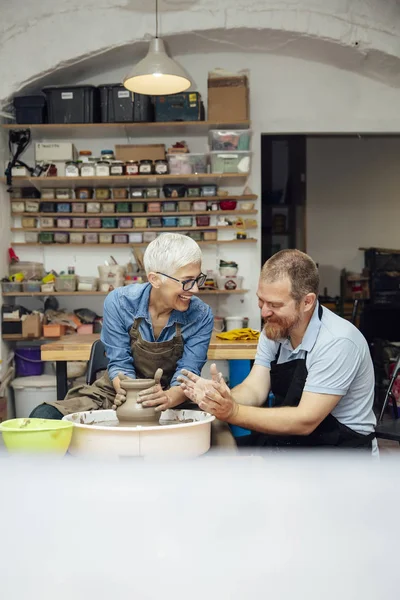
{"x":100,"y":440}
{"x":29,"y":392}
{"x":233,"y":323}
{"x":230,"y":162}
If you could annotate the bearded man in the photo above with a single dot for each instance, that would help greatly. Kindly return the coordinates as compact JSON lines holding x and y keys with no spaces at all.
{"x":316,"y":364}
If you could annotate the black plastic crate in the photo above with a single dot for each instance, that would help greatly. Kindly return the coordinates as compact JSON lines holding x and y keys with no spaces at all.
{"x":119,"y":105}
{"x":73,"y":104}
{"x":380,"y":260}
{"x":186,"y":106}
{"x":30,"y":110}
{"x":386,"y":281}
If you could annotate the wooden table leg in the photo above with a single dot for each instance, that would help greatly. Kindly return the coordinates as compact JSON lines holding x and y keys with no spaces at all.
{"x":61,"y":376}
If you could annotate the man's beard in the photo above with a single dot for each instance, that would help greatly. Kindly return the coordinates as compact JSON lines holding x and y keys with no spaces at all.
{"x":280,"y":328}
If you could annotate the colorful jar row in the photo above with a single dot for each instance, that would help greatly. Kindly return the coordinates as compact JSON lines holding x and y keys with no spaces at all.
{"x":114,"y":223}
{"x":106,"y":167}
{"x":113,"y":207}
{"x":46,"y":237}
{"x":104,"y":193}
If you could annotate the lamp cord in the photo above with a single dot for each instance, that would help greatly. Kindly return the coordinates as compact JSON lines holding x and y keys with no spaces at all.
{"x":156,"y":18}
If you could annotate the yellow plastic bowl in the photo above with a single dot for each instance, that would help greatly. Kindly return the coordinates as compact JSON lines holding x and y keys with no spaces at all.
{"x":37,"y":435}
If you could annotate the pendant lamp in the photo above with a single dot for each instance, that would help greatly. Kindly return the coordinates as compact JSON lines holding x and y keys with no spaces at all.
{"x":157,"y":74}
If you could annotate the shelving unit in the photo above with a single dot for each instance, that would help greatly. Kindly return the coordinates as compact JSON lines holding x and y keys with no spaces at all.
{"x":137,"y":214}
{"x":33,"y":294}
{"x":111,"y":181}
{"x":132,"y":245}
{"x":127,"y":230}
{"x":117,"y":130}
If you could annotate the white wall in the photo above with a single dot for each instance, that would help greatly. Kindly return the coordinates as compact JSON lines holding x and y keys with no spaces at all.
{"x":353,"y":191}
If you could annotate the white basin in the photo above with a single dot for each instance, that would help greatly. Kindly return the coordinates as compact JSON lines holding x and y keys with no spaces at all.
{"x":94,"y":436}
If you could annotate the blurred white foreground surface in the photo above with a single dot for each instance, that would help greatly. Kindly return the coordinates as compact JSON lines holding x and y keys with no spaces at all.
{"x":284,"y":528}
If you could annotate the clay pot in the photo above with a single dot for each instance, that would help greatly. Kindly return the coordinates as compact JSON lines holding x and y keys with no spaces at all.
{"x":132,"y":412}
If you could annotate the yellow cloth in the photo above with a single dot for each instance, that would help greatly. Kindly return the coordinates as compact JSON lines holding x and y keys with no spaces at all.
{"x":245,"y":334}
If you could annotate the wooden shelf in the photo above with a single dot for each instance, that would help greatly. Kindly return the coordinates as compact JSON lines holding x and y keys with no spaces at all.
{"x":34,"y":294}
{"x":130,"y":200}
{"x":115,"y":130}
{"x":111,"y":181}
{"x":129,"y":245}
{"x":16,"y":337}
{"x":126,"y":230}
{"x":136,"y":214}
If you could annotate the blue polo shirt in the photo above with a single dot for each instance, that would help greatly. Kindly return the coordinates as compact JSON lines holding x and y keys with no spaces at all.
{"x":338,"y":363}
{"x":125,"y":304}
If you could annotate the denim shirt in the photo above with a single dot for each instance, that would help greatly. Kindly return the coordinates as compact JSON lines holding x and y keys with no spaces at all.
{"x":125,"y":304}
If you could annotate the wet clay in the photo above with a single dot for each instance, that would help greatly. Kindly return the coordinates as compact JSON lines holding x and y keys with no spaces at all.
{"x":133,"y":413}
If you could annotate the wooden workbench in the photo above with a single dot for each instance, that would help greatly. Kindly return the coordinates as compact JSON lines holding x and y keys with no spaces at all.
{"x":77,"y":347}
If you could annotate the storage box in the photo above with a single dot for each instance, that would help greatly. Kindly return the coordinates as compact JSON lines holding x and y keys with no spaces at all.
{"x":136,"y":238}
{"x":149,"y":236}
{"x":119,"y":105}
{"x":184,"y":205}
{"x":55,"y":151}
{"x":199,"y":205}
{"x":73,"y":104}
{"x":122,"y":207}
{"x":125,"y":223}
{"x":141,"y":206}
{"x":83,"y":193}
{"x":85,"y":329}
{"x":48,"y":194}
{"x":87,"y":284}
{"x":28,"y":222}
{"x":64,"y":223}
{"x":48,"y":207}
{"x":93,"y":207}
{"x":110,"y":223}
{"x":32,"y":326}
{"x":140,"y":222}
{"x":120,"y":238}
{"x":32,"y":206}
{"x":155,"y":222}
{"x":203,"y":221}
{"x":46,"y":237}
{"x":61,"y":238}
{"x":230,"y":162}
{"x":31,"y":286}
{"x":185,"y":221}
{"x":64,"y":207}
{"x":53,"y":329}
{"x":210,"y":236}
{"x":186,"y":106}
{"x":108,"y":207}
{"x":120,"y":193}
{"x":153,"y":207}
{"x":140,"y":152}
{"x":30,"y":110}
{"x":94,"y":223}
{"x":136,"y":193}
{"x":13,"y":327}
{"x":152,"y":192}
{"x":169,"y":206}
{"x":194,"y":192}
{"x":102,"y":193}
{"x":11,"y":287}
{"x":233,"y":139}
{"x":228,"y":99}
{"x":30,"y":269}
{"x":65,"y":283}
{"x":46,"y":222}
{"x":91,"y":238}
{"x":64,"y":194}
{"x":195,"y":235}
{"x":78,"y":207}
{"x":185,"y":164}
{"x":170,"y":221}
{"x":105,"y":238}
{"x":79,"y":223}
{"x":31,"y":237}
{"x":18,"y":207}
{"x":76,"y":238}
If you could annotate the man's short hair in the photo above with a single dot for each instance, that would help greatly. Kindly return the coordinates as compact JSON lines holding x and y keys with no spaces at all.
{"x":298,"y":267}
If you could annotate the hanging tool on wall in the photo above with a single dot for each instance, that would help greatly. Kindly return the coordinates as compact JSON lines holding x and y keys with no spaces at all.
{"x":18,"y":141}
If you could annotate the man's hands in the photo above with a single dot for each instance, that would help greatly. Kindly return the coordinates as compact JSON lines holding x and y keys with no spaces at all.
{"x":212,"y":395}
{"x":120,"y":393}
{"x":155,"y":396}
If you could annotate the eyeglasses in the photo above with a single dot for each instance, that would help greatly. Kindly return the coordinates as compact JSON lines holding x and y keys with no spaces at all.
{"x":188,"y":284}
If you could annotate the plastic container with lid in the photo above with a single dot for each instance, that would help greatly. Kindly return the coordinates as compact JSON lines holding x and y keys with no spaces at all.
{"x":94,"y":223}
{"x":28,"y":222}
{"x":120,"y":239}
{"x":18,"y":207}
{"x":65,"y":283}
{"x":46,"y":237}
{"x":76,"y":238}
{"x":93,"y":207}
{"x":109,"y":223}
{"x":10,"y":287}
{"x":32,"y":206}
{"x":31,"y":237}
{"x":85,"y":155}
{"x":61,"y":238}
{"x":108,"y":207}
{"x":161,"y":166}
{"x":187,"y":163}
{"x":31,"y":286}
{"x":47,"y":207}
{"x":152,"y":192}
{"x":32,"y":390}
{"x":102,"y":193}
{"x":91,"y":238}
{"x":78,"y":223}
{"x":105,"y":238}
{"x":64,"y":194}
{"x":46,"y":222}
{"x":78,"y":207}
{"x":120,"y":193}
{"x":230,"y":162}
{"x":63,"y":207}
{"x":125,"y":223}
{"x":48,"y":194}
{"x":107,"y":155}
{"x":87,"y":284}
{"x":233,"y":139}
{"x":63,"y":223}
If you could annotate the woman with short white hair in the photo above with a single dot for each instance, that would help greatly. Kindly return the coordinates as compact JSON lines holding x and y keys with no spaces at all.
{"x":156,"y":325}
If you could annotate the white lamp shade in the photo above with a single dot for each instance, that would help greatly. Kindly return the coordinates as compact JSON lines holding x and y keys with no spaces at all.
{"x":157,"y":74}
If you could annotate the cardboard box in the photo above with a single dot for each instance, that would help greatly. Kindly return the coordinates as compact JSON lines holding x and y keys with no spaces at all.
{"x":32,"y":326}
{"x":140,"y":152}
{"x":55,"y":151}
{"x":228,"y":99}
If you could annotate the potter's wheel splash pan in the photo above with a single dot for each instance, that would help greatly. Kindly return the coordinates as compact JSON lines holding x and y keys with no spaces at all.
{"x":95,"y":436}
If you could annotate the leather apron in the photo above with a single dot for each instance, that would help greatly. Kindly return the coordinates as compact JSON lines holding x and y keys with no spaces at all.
{"x":147,"y":358}
{"x":287,"y":385}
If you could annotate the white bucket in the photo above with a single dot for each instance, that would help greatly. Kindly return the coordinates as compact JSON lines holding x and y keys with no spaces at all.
{"x":29,"y":392}
{"x":233,"y":323}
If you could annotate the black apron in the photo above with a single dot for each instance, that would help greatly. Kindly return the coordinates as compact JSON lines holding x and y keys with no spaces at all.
{"x":287,"y":385}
